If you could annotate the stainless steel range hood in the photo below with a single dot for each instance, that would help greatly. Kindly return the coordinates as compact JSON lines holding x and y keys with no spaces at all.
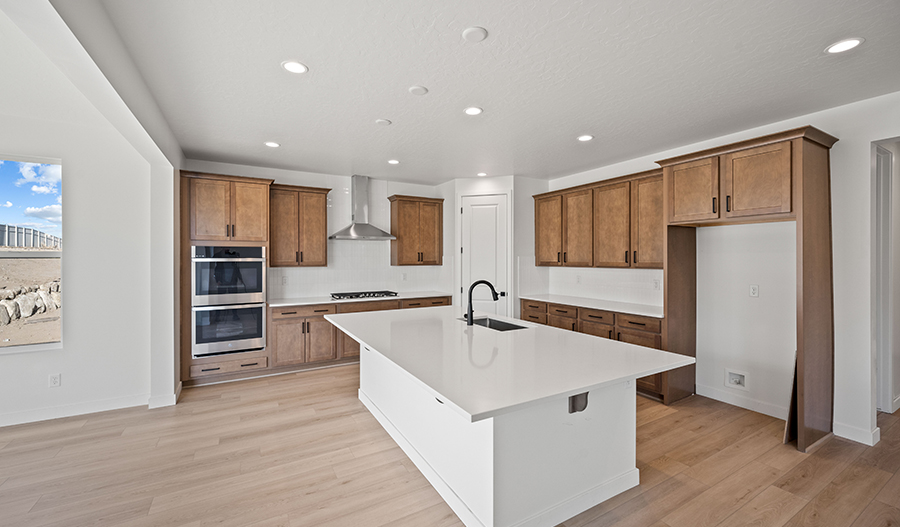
{"x":360,"y":228}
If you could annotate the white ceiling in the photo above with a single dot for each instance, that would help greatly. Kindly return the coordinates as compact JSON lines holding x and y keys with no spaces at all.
{"x":642,"y":76}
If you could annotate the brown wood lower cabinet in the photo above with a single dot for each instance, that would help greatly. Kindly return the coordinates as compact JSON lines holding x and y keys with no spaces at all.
{"x":347,"y":347}
{"x":634,"y":329}
{"x":299,"y":335}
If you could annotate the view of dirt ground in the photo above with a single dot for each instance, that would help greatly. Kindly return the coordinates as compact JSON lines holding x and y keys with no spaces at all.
{"x":39,"y":328}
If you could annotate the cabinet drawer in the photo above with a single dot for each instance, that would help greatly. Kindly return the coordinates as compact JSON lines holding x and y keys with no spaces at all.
{"x":561,"y":310}
{"x":596,"y":315}
{"x":425,"y":302}
{"x":538,"y":318}
{"x":359,"y":307}
{"x":641,"y":338}
{"x":639,"y":322}
{"x":302,"y":311}
{"x":231,"y":366}
{"x":534,"y":306}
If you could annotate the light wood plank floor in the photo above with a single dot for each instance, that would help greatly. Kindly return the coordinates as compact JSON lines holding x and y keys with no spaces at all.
{"x":301,"y":450}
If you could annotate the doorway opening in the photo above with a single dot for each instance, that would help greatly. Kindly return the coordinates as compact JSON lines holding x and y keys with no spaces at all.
{"x":886,"y":274}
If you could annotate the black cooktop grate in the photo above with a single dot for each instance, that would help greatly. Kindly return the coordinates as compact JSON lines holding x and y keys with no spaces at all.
{"x":363,"y":294}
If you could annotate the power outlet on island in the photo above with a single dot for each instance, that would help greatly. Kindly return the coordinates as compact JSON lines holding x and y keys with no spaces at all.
{"x":54,"y":380}
{"x":754,"y":291}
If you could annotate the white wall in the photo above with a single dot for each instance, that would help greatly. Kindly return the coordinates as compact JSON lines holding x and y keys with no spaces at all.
{"x":530,"y":279}
{"x":754,"y":336}
{"x":353,"y":265}
{"x":857,"y":125}
{"x":105,"y":356}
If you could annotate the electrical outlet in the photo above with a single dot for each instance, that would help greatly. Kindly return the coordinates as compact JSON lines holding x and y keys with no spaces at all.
{"x":735,"y":379}
{"x":656,"y":285}
{"x":577,"y":278}
{"x":283,"y":280}
{"x":54,"y":380}
{"x":403,"y":277}
{"x":754,"y":291}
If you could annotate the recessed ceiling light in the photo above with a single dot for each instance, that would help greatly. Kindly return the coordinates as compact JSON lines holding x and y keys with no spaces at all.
{"x":382,"y":122}
{"x":475,"y":34}
{"x":473,"y":110}
{"x":272,"y":144}
{"x":418,"y":90}
{"x":393,"y":161}
{"x":844,"y":45}
{"x":482,"y":174}
{"x":585,"y":137}
{"x":294,"y":67}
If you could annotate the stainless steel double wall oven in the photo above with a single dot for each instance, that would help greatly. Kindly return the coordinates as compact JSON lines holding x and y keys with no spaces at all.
{"x":228,"y":299}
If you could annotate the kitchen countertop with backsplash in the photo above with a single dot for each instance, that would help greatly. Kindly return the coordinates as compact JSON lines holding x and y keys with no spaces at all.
{"x":307,"y":301}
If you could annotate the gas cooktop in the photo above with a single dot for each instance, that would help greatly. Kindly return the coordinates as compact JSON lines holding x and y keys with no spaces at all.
{"x":362,"y":294}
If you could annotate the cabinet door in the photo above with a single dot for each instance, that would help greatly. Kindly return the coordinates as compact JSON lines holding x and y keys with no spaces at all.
{"x":596,"y":329}
{"x":578,"y":221}
{"x":320,"y":339}
{"x":430,"y":238}
{"x":612,"y":217}
{"x":694,"y":190}
{"x":285,"y":249}
{"x":758,"y":181}
{"x":348,"y":346}
{"x":562,"y":322}
{"x":210,"y":210}
{"x":407,"y":232}
{"x":313,"y":228}
{"x":250,"y":212}
{"x":650,"y":383}
{"x":289,"y":341}
{"x":548,"y":231}
{"x":647,"y":223}
{"x":641,"y":338}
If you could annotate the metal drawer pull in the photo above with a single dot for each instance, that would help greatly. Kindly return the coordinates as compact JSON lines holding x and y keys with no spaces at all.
{"x":289,"y":313}
{"x":626,"y":256}
{"x":533,"y":307}
{"x":211,"y":369}
{"x":534,"y":317}
{"x":637,"y":323}
{"x":436,"y":302}
{"x":251,"y":364}
{"x":596,"y":316}
{"x":320,"y":310}
{"x":727,"y":203}
{"x":714,"y":205}
{"x":416,"y":304}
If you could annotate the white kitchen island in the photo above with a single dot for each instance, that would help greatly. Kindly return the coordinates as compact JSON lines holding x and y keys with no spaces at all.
{"x":484,"y":414}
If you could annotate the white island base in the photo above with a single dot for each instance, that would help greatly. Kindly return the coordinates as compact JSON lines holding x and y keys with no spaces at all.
{"x":536,"y":466}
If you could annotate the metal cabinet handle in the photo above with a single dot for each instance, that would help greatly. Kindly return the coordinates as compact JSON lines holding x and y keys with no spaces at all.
{"x":297,"y":257}
{"x":610,"y":334}
{"x":637,"y":323}
{"x":727,"y":203}
{"x":211,"y":369}
{"x":714,"y":205}
{"x":288,"y":312}
{"x":251,"y":364}
{"x":626,"y":257}
{"x":228,"y":230}
{"x":320,"y":310}
{"x":573,"y":326}
{"x":596,"y":316}
{"x":635,"y":258}
{"x":557,"y":257}
{"x":301,"y":256}
{"x":619,"y":336}
{"x":233,"y":231}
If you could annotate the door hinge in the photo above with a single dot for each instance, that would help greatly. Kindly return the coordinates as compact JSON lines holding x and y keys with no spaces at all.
{"x":460,"y":289}
{"x":460,"y":210}
{"x":460,"y":250}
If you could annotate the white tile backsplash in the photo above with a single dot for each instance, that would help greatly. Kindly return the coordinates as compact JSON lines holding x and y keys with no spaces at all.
{"x":634,"y":286}
{"x":356,"y":265}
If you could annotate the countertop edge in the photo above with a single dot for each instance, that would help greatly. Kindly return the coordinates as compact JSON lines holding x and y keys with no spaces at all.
{"x":646,"y":310}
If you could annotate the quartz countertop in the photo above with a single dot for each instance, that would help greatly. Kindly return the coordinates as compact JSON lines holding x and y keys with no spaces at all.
{"x":593,"y":303}
{"x":482,"y":373}
{"x":311,"y":300}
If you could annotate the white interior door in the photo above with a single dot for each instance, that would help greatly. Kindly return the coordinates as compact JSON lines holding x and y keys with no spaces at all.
{"x":485,"y":251}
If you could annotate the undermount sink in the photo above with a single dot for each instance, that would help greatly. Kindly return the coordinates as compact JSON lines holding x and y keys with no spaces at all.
{"x":494,"y":324}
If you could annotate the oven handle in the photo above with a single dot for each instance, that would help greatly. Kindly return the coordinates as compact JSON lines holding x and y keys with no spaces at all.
{"x":228,"y":259}
{"x":229,"y":306}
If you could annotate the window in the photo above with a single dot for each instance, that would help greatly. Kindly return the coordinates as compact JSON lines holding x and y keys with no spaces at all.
{"x":30,"y":254}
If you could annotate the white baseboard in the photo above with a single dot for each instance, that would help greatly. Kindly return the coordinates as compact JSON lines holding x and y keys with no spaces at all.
{"x":726,"y":396}
{"x":69,"y":410}
{"x":895,"y":405}
{"x":160,"y":401}
{"x":860,"y":435}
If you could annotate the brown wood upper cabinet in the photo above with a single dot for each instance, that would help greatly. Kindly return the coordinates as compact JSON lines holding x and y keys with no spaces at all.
{"x":628,"y":223}
{"x":732,"y":186}
{"x":418,"y":224}
{"x":228,"y":208}
{"x":693,"y":190}
{"x":298,"y":226}
{"x":758,"y":180}
{"x":564,"y":229}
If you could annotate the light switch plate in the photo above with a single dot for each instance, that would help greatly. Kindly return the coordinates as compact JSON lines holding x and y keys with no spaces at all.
{"x":754,"y":291}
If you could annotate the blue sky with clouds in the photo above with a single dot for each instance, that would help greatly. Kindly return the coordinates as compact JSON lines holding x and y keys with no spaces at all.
{"x":31,"y":196}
